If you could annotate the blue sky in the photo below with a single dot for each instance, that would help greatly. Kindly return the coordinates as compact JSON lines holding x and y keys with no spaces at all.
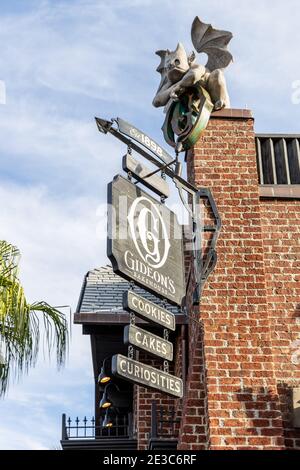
{"x":62,"y":63}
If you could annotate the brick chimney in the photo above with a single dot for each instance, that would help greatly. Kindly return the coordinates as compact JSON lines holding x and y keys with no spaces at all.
{"x":231,"y":397}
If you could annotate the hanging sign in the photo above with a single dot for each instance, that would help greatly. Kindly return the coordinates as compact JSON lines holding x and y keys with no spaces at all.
{"x":145,"y":241}
{"x":142,"y":374}
{"x":143,"y":139}
{"x":149,"y":311}
{"x":141,"y":172}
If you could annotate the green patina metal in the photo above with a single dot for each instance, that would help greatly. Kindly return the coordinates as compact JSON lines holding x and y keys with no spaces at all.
{"x":187,"y":118}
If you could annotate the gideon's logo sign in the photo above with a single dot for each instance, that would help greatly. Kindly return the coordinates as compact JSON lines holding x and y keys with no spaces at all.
{"x":145,"y":241}
{"x":149,"y":233}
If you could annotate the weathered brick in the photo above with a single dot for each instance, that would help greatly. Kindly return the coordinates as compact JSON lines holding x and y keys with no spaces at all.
{"x":241,"y":355}
{"x":238,"y":350}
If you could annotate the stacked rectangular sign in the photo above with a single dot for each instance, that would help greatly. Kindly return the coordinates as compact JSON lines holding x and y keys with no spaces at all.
{"x":145,"y":246}
{"x":148,"y":376}
{"x":145,"y":242}
{"x":135,"y":371}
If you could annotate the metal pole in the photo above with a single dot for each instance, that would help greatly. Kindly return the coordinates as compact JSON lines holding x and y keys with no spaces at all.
{"x":154,"y":420}
{"x":183,"y":356}
{"x":64,"y":434}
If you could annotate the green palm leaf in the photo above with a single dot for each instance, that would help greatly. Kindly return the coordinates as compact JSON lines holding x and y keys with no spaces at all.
{"x":20,"y":323}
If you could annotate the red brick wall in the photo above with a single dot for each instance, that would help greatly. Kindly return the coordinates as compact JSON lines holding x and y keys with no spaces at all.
{"x":242,"y":339}
{"x":194,"y":429}
{"x":143,"y":399}
{"x":281,"y":238}
{"x":236,"y":348}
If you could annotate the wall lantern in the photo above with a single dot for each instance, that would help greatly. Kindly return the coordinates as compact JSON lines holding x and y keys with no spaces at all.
{"x":109,"y":419}
{"x":104,"y":377}
{"x":105,"y":400}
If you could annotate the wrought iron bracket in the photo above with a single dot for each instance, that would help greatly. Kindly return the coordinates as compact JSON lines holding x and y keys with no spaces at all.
{"x":210,"y":260}
{"x":203,"y":266}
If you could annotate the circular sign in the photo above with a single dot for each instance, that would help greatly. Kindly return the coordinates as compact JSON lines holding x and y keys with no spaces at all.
{"x":149,"y":232}
{"x":187,"y":118}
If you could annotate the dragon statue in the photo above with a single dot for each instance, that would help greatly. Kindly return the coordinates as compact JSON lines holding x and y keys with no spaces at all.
{"x":191,"y":92}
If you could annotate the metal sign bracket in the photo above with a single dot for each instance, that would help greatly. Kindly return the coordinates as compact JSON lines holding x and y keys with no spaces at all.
{"x":203,"y":266}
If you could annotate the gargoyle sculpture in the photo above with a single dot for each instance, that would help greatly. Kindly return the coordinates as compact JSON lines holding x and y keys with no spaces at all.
{"x":191,"y":91}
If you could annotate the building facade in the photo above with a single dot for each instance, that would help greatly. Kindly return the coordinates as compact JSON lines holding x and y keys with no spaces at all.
{"x":238,"y":352}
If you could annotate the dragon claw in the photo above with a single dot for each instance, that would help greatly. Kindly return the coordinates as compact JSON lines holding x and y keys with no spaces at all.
{"x":220,"y":104}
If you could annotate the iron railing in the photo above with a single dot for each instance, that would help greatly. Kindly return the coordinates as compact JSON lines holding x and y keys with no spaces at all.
{"x":89,"y":429}
{"x":278,"y":159}
{"x":164,"y":423}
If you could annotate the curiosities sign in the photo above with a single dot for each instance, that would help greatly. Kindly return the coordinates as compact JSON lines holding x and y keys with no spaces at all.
{"x":142,"y":374}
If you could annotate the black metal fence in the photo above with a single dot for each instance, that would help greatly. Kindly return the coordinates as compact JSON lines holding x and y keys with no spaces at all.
{"x":89,"y":429}
{"x":164,"y":426}
{"x":164,"y":423}
{"x":278,"y":159}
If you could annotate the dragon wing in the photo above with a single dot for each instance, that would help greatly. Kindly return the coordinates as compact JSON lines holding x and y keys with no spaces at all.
{"x":213,"y":42}
{"x":162,"y":67}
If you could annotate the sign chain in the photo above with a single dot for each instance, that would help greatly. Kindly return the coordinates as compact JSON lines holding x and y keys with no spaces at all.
{"x":162,"y":198}
{"x":132,"y":318}
{"x":130,"y":352}
{"x":166,"y":367}
{"x":129,"y":151}
{"x":166,"y":334}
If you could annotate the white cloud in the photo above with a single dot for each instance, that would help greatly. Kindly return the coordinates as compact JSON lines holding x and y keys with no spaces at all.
{"x":64,"y":62}
{"x":295,"y":94}
{"x":79,"y":49}
{"x":59,"y":244}
{"x":31,"y":412}
{"x":57,"y":239}
{"x":12,"y":439}
{"x":2,"y":92}
{"x":48,"y":148}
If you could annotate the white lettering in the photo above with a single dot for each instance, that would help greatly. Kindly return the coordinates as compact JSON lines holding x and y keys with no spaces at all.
{"x":123,"y":365}
{"x":163,"y":284}
{"x":151,"y":310}
{"x":134,"y":301}
{"x":171,"y":286}
{"x":138,"y":337}
{"x":130,"y":266}
{"x":145,"y":374}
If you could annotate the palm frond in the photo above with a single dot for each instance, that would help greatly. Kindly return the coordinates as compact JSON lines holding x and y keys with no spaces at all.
{"x":20,"y":323}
